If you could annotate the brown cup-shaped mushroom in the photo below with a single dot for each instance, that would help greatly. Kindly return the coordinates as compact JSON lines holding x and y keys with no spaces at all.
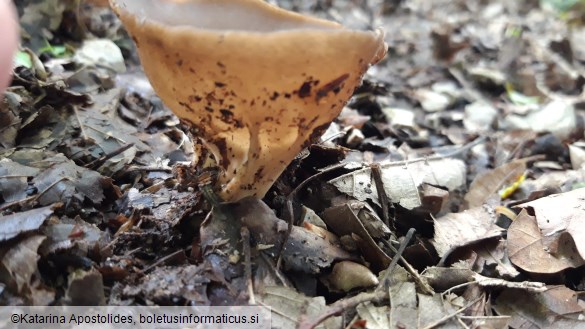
{"x":257,"y":83}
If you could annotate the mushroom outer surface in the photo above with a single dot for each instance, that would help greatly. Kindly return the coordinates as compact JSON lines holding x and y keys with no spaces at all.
{"x":257,"y":83}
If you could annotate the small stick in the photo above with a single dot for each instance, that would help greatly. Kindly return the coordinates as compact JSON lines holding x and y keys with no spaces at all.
{"x":291,"y":219}
{"x":382,"y":196}
{"x":245,"y":234}
{"x":405,"y":241}
{"x":162,"y":260}
{"x":341,"y":305}
{"x":98,"y":162}
{"x":424,"y":286}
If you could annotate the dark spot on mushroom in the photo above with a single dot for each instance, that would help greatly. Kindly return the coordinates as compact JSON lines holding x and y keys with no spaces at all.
{"x":264,"y":103}
{"x":187,"y":107}
{"x":305,"y":89}
{"x":227,"y":116}
{"x":274,"y":96}
{"x":195,"y":98}
{"x":287,"y":95}
{"x":210,"y":97}
{"x":269,"y":119}
{"x":220,"y":64}
{"x":219,"y":84}
{"x":209,"y":109}
{"x":226,"y":113}
{"x":180,"y":62}
{"x":231,"y":106}
{"x":332,"y":86}
{"x":258,"y":173}
{"x":253,"y":102}
{"x":192,"y":70}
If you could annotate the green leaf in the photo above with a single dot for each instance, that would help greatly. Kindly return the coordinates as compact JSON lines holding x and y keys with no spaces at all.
{"x":21,"y":58}
{"x":519,"y":98}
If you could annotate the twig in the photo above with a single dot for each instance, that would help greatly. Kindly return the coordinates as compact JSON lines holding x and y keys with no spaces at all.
{"x":384,"y":283}
{"x":274,"y":271}
{"x":291,"y":219}
{"x":98,"y":162}
{"x":423,"y":285}
{"x":341,"y":305}
{"x":465,"y":284}
{"x":382,"y":196}
{"x":148,"y":169}
{"x":293,"y":194}
{"x":163,"y":259}
{"x":245,"y":234}
{"x":106,"y":134}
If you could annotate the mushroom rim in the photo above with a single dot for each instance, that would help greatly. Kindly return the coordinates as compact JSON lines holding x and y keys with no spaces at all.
{"x":328,"y":27}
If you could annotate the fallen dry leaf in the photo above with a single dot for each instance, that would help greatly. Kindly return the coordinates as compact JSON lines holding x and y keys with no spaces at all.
{"x":305,"y":251}
{"x":558,"y":213}
{"x":344,"y":220}
{"x":402,"y":180}
{"x":63,"y":180}
{"x":288,"y":306}
{"x":529,"y":250}
{"x":14,"y":180}
{"x":459,"y":229}
{"x":404,"y":307}
{"x":21,"y":222}
{"x":86,"y":288}
{"x":376,"y":317}
{"x":555,"y":308}
{"x":19,"y":264}
{"x":486,"y":185}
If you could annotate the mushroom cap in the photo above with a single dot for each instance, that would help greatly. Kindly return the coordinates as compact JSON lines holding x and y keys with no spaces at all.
{"x":256,"y":82}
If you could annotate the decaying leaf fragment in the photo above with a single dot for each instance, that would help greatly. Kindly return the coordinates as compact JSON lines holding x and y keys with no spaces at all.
{"x":558,"y":213}
{"x":233,"y":71}
{"x":288,"y":306}
{"x":402,"y":180}
{"x":557,"y":307}
{"x":459,"y":229}
{"x":535,"y":252}
{"x":305,"y":251}
{"x":22,"y":222}
{"x":19,"y":265}
{"x":487,"y":184}
{"x":346,"y":220}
